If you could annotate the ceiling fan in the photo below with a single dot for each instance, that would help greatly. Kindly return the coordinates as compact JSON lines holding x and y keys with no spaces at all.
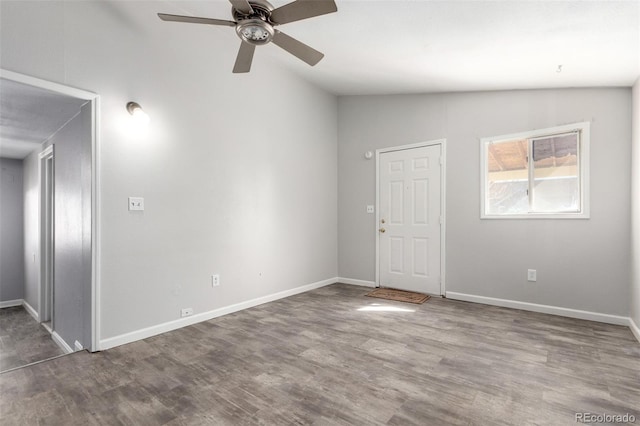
{"x":255,"y":22}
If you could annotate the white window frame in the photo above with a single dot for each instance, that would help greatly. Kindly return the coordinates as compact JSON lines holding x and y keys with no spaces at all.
{"x":583,"y":171}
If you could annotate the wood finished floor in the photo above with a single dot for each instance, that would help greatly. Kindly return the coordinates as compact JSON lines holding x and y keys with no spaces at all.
{"x":23,"y":340}
{"x":334,"y":357}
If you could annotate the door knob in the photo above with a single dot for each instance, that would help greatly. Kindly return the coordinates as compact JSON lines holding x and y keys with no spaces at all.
{"x":381,"y":220}
{"x":382,"y":230}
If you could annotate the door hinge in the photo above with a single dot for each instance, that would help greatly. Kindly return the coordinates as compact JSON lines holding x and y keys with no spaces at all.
{"x":441,"y":161}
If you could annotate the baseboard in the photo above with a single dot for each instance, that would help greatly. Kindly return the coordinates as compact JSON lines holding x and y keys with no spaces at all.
{"x":356,"y":282}
{"x":545,"y":309}
{"x":634,"y":328}
{"x":61,"y":343}
{"x":205,"y":316}
{"x":11,"y":303}
{"x":31,"y":311}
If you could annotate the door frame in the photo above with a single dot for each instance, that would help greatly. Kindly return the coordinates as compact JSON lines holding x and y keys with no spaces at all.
{"x":45,"y":233}
{"x":443,"y":198}
{"x":94,"y":100}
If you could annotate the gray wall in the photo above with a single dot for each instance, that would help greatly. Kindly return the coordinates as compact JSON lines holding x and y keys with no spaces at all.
{"x":72,"y":241}
{"x":634,"y":300}
{"x":247,"y":193}
{"x":31,"y":190}
{"x":11,"y":230}
{"x":581,"y":264}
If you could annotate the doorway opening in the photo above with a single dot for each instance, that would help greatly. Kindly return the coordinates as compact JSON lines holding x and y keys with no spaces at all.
{"x":47,"y":238}
{"x":67,"y":280}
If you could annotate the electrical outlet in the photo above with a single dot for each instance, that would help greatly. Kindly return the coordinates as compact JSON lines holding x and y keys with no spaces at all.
{"x":531,"y":275}
{"x":215,"y":280}
{"x":186,"y":312}
{"x":136,"y":203}
{"x":370,"y":209}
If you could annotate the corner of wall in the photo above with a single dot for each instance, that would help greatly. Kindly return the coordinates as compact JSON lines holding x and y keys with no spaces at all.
{"x":634,"y":300}
{"x":31,"y":192}
{"x":635,"y":329}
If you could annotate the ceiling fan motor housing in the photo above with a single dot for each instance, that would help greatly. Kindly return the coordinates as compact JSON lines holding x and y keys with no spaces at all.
{"x":255,"y":28}
{"x":255,"y":31}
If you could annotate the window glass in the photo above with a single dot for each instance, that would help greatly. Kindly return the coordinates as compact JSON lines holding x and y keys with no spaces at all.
{"x":508,"y":177}
{"x":537,"y":174}
{"x":556,"y":183}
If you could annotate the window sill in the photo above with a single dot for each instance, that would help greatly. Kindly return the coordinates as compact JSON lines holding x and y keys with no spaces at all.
{"x":537,"y":216}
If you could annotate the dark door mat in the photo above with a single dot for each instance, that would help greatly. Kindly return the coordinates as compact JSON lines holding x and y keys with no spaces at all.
{"x":399,"y":295}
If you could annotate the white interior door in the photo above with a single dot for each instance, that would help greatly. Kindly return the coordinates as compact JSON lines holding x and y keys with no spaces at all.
{"x":409,"y":219}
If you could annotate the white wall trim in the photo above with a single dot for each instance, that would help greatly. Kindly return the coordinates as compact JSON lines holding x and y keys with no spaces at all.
{"x":96,"y":224}
{"x":354,"y":281}
{"x":545,"y":309}
{"x":634,"y":328}
{"x":42,"y":274}
{"x":61,"y":343}
{"x":31,"y":311}
{"x":11,"y":303}
{"x":48,"y":85}
{"x":205,"y":316}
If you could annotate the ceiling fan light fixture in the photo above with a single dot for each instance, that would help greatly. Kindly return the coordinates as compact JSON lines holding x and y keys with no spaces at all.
{"x":255,"y":31}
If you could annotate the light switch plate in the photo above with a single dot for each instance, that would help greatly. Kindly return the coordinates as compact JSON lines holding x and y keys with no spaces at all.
{"x":136,"y":203}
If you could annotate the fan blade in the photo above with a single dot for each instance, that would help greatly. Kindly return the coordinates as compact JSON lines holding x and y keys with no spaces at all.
{"x":302,"y":9}
{"x":242,"y":5}
{"x":244,"y":58}
{"x":297,"y":48}
{"x":195,"y":20}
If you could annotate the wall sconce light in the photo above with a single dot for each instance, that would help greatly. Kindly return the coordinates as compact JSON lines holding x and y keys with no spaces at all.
{"x":368,"y":155}
{"x":138,"y":113}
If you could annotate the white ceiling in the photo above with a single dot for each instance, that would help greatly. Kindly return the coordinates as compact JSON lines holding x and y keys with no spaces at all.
{"x":390,"y":46}
{"x":29,"y":116}
{"x":418,"y":46}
